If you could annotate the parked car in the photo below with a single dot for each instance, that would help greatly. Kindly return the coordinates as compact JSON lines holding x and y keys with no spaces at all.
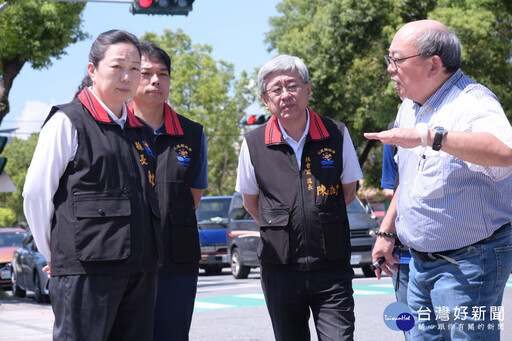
{"x":212,"y":218}
{"x":243,"y":238}
{"x":27,"y":273}
{"x":10,"y":240}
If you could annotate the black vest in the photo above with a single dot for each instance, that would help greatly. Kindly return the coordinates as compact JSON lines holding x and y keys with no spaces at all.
{"x":177,"y":149}
{"x":106,"y":209}
{"x":302,"y":214}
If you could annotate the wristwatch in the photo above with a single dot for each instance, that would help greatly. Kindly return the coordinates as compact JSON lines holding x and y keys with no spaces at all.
{"x":438,"y":138}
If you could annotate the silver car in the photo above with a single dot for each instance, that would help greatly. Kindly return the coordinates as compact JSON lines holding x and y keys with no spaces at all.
{"x":27,"y":273}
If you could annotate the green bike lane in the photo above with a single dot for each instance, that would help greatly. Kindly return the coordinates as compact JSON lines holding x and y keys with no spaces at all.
{"x":256,"y":299}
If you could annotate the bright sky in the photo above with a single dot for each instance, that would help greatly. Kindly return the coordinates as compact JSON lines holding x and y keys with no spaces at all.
{"x":234,"y":28}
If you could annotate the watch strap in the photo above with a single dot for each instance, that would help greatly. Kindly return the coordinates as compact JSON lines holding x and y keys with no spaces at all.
{"x":438,"y":138}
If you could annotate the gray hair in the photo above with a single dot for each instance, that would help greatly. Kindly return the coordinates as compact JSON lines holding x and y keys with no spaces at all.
{"x":282,"y":62}
{"x":442,"y":43}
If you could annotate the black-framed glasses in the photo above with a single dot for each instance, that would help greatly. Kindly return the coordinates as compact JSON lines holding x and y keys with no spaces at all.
{"x":393,"y":62}
{"x":290,"y":88}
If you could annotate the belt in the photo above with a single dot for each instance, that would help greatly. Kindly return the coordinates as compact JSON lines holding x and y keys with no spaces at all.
{"x":429,"y":256}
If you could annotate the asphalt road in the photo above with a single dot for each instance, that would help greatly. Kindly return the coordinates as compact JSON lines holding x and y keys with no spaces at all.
{"x":228,"y":309}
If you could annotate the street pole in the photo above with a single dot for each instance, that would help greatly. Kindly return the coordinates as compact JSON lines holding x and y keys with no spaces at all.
{"x":6,"y":4}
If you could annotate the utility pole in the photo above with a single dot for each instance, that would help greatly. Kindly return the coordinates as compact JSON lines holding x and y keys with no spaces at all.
{"x":6,"y":4}
{"x":166,"y":7}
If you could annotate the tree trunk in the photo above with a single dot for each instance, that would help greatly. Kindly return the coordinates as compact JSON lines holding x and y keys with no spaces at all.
{"x":364,"y":155}
{"x":11,"y":68}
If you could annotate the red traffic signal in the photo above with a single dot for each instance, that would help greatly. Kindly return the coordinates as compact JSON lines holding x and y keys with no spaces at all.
{"x":145,"y":3}
{"x":167,"y":7}
{"x":256,"y":119}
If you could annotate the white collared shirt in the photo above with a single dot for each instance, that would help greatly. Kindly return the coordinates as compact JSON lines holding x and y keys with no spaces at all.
{"x":443,"y":202}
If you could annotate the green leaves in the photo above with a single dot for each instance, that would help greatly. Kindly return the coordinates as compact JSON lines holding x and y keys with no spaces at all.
{"x":34,"y":32}
{"x":343,"y":43}
{"x":205,"y":90}
{"x":19,"y":153}
{"x":38,"y":31}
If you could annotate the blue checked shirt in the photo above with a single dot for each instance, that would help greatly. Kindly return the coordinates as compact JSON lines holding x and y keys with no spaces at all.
{"x":445,"y":203}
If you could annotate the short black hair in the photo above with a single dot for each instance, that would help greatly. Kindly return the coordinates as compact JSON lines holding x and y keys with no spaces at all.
{"x":155,"y":53}
{"x":101,"y":45}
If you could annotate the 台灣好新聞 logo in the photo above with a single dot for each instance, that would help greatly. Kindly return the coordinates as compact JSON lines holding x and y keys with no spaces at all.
{"x":398,"y":316}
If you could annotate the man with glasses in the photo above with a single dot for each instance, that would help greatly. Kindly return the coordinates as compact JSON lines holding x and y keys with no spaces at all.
{"x":453,"y":202}
{"x":297,"y":174}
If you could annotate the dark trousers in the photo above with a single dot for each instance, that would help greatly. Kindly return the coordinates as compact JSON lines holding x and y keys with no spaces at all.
{"x":291,"y":293}
{"x":103,"y":306}
{"x":174,"y":307}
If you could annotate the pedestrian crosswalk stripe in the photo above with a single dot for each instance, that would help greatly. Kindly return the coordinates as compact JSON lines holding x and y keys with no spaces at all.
{"x":211,"y":306}
{"x":384,"y":285}
{"x":256,"y":296}
{"x":368,"y":292}
{"x":373,"y":289}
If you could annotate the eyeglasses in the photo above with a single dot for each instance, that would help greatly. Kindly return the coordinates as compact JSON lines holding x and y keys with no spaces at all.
{"x":394,"y":62}
{"x":292,"y":88}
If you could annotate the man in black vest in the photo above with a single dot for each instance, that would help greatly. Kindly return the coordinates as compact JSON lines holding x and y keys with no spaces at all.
{"x":181,"y":177}
{"x":297,"y":174}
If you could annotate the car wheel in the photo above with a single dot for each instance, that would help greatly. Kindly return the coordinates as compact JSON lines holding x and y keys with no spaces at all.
{"x":16,"y":290}
{"x":367,"y":271}
{"x":38,"y":293}
{"x":238,"y":270}
{"x":213,"y":269}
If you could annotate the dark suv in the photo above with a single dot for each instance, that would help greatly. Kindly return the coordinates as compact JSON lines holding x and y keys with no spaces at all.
{"x":212,"y":218}
{"x":243,"y":237}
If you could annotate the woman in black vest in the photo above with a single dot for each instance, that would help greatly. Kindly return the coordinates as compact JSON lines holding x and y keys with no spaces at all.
{"x":90,"y":202}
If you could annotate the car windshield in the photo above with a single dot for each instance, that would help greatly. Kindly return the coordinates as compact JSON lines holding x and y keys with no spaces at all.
{"x":11,"y":239}
{"x":356,"y":207}
{"x":213,"y":211}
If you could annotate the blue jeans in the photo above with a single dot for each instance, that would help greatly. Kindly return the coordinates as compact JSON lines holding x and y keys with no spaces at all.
{"x":174,"y":306}
{"x":461,"y":302}
{"x":401,"y":293}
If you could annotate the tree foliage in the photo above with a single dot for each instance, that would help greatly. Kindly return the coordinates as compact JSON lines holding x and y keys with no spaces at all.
{"x":205,"y":90}
{"x":19,"y":155}
{"x":34,"y":32}
{"x":343,"y":43}
{"x":7,"y":217}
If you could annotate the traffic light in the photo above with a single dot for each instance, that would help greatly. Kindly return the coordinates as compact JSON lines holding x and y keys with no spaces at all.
{"x":167,"y":7}
{"x":255,"y":119}
{"x":3,"y":160}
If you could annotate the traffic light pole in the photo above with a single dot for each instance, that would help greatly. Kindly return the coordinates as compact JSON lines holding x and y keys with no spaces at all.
{"x":177,"y":7}
{"x":6,"y":4}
